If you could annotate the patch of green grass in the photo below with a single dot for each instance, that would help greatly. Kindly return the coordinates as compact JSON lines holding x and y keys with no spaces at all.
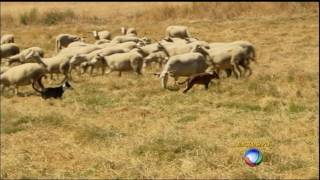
{"x":170,"y":148}
{"x":53,"y":17}
{"x":29,"y":17}
{"x":53,"y":119}
{"x":25,"y":121}
{"x":186,"y":119}
{"x":11,"y":127}
{"x":91,"y":133}
{"x":291,"y":165}
{"x":94,"y":98}
{"x":272,"y":106}
{"x":296,"y":108}
{"x":241,"y":106}
{"x":98,"y":101}
{"x":263,"y":86}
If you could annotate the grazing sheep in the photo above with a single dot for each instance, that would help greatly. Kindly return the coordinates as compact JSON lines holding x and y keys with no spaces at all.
{"x":7,"y":38}
{"x":63,"y":40}
{"x":177,"y":31}
{"x":130,"y":61}
{"x":201,"y":78}
{"x":129,"y":31}
{"x":10,"y":49}
{"x":23,"y":74}
{"x":197,"y":61}
{"x":101,"y":35}
{"x":21,"y":57}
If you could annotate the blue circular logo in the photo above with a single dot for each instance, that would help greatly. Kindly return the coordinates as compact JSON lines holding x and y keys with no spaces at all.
{"x":253,"y":157}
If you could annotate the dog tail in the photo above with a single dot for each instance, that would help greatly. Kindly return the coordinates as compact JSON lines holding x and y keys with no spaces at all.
{"x":180,"y":83}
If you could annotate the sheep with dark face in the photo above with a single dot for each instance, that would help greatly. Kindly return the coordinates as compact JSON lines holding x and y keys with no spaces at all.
{"x":7,"y":38}
{"x":63,"y":40}
{"x":10,"y":49}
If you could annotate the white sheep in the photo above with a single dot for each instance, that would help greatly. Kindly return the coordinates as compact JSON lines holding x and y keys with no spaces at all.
{"x":7,"y":38}
{"x":102,"y":41}
{"x":158,"y":57}
{"x":102,"y":35}
{"x":232,"y":58}
{"x":63,"y":40}
{"x":177,"y":31}
{"x":21,"y":57}
{"x":78,"y":44}
{"x":124,"y":38}
{"x":23,"y":74}
{"x":129,"y":32}
{"x":60,"y":63}
{"x":4,"y":69}
{"x":130,"y":61}
{"x":250,"y":48}
{"x":197,"y":61}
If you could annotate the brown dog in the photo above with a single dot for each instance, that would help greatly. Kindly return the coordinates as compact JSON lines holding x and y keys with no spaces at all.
{"x":201,"y":78}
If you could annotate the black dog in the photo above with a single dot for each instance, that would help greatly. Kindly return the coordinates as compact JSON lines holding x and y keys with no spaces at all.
{"x":201,"y":78}
{"x":52,"y":92}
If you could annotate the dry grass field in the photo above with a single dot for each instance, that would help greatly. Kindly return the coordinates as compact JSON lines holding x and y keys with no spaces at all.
{"x":128,"y":127}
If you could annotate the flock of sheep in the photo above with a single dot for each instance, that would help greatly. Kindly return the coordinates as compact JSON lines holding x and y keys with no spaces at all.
{"x":178,"y":54}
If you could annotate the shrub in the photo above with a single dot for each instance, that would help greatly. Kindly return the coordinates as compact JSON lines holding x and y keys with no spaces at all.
{"x":55,"y":16}
{"x":29,"y":17}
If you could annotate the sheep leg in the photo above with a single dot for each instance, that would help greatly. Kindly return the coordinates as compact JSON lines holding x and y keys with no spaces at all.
{"x":228,"y":72}
{"x":236,"y":69}
{"x":15,"y":90}
{"x":109,"y":71}
{"x":247,"y":68}
{"x":119,"y":74}
{"x":91,"y":70}
{"x":175,"y":81}
{"x":2,"y":88}
{"x":51,"y":76}
{"x":103,"y":70}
